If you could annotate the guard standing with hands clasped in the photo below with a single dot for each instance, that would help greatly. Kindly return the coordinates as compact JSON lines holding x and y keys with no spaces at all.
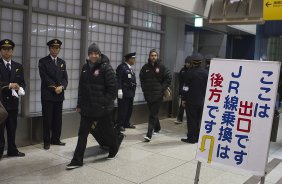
{"x":54,"y":81}
{"x":12,"y":86}
{"x":126,"y":91}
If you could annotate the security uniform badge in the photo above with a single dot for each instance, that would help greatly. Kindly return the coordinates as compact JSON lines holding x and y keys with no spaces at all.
{"x":128,"y":74}
{"x":96,"y":73}
{"x":157,"y":70}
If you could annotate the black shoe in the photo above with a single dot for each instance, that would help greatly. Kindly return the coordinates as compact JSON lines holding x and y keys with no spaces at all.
{"x":130,"y":126}
{"x":191,"y":141}
{"x":18,"y":154}
{"x":46,"y":146}
{"x":113,"y":153}
{"x":1,"y":155}
{"x":120,"y":138}
{"x":58,"y":143}
{"x":73,"y":165}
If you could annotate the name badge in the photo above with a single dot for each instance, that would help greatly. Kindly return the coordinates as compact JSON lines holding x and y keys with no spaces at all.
{"x":185,"y":88}
{"x":129,"y":76}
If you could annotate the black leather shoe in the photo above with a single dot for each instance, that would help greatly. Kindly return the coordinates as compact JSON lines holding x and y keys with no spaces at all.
{"x":130,"y":126}
{"x":59,"y":143}
{"x":191,"y":141}
{"x":46,"y":146}
{"x":18,"y":154}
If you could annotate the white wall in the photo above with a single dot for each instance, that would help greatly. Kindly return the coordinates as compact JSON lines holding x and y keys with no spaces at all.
{"x":175,"y":43}
{"x":189,"y":6}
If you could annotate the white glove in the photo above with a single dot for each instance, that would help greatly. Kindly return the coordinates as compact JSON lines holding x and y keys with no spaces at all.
{"x":120,"y":94}
{"x":21,"y":92}
{"x":14,"y":93}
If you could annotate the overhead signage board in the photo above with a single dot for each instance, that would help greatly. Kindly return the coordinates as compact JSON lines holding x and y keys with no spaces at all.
{"x":238,"y":113}
{"x":272,"y":9}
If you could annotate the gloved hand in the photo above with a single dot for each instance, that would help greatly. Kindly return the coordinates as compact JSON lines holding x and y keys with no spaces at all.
{"x":120,"y":94}
{"x":21,"y":91}
{"x":14,"y":93}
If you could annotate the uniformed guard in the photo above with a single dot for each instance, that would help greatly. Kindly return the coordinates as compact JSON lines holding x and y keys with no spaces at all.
{"x":182,"y":87}
{"x":12,"y":86}
{"x":54,"y":81}
{"x":193,"y":99}
{"x":126,"y":91}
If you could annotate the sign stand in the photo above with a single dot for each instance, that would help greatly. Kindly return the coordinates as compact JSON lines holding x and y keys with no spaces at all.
{"x":262,"y":180}
{"x":197,"y":175}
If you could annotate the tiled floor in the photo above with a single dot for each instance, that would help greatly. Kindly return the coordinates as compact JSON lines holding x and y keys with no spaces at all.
{"x":165,"y":160}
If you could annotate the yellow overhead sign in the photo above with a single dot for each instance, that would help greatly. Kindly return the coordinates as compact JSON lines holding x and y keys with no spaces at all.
{"x":272,"y":9}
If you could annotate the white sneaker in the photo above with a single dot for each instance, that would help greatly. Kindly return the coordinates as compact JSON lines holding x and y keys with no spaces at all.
{"x":178,"y":122}
{"x":147,"y":139}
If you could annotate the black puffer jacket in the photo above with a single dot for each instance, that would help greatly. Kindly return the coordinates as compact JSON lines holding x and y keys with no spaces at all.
{"x":97,"y":89}
{"x":154,"y":80}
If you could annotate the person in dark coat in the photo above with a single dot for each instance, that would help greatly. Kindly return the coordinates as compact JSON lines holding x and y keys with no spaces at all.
{"x":182,"y":87}
{"x":126,"y":91}
{"x":54,"y":81}
{"x":12,"y":86}
{"x":155,"y":78}
{"x":193,"y":99}
{"x":96,"y":94}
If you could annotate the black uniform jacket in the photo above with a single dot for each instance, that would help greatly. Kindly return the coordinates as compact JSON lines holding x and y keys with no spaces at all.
{"x":196,"y":80}
{"x":181,"y":78}
{"x":154,"y":80}
{"x":126,"y":80}
{"x":52,"y":75}
{"x":17,"y":76}
{"x":97,"y":89}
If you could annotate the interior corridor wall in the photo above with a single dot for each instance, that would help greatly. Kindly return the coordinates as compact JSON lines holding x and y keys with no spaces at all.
{"x":212,"y":43}
{"x":174,"y":53}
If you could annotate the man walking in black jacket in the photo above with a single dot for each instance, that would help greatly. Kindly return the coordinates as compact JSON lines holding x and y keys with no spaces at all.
{"x":96,"y":94}
{"x":155,"y":78}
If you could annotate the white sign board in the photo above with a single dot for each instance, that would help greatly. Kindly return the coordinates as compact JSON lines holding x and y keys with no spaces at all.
{"x":238,"y":113}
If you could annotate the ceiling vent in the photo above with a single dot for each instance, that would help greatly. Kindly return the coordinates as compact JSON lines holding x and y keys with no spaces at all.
{"x":236,"y":12}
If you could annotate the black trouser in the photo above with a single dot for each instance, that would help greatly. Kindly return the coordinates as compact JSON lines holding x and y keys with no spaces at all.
{"x":11,"y":127}
{"x":52,"y":121}
{"x":104,"y":125}
{"x":153,"y":123}
{"x":180,"y":112}
{"x":125,"y":107}
{"x":194,"y":115}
